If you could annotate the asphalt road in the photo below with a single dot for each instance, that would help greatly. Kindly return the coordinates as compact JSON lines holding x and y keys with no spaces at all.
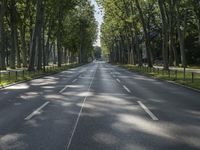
{"x":99,"y":107}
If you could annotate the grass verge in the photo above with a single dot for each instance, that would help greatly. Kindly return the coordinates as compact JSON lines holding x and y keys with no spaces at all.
{"x":11,"y":77}
{"x":191,"y":79}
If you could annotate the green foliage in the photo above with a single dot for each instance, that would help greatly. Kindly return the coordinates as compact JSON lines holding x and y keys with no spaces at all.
{"x":123,"y":30}
{"x":61,"y":24}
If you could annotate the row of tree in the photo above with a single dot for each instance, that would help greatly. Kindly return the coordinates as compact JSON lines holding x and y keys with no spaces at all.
{"x":34,"y":33}
{"x":162,"y":31}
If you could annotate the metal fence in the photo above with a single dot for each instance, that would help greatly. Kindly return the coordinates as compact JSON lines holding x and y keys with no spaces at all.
{"x":12,"y":76}
{"x":172,"y":74}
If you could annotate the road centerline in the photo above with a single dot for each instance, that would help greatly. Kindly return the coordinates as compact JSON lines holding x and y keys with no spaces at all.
{"x":148,"y":111}
{"x":35,"y":112}
{"x":79,"y":115}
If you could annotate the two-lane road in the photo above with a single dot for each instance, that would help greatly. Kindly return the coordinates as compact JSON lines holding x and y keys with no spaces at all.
{"x":99,"y":107}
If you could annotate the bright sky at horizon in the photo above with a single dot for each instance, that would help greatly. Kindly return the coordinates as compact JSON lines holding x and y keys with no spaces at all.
{"x":99,"y":19}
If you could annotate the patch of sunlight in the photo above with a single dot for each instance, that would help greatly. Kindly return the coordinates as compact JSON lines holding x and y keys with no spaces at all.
{"x":105,"y":138}
{"x":75,"y":86}
{"x":32,"y":123}
{"x":86,"y":105}
{"x":65,"y":104}
{"x":54,"y":96}
{"x":11,"y":141}
{"x":48,"y":87}
{"x":156,"y":100}
{"x":85,"y":77}
{"x":114,"y":99}
{"x":84,"y":94}
{"x":43,"y":83}
{"x":193,"y":112}
{"x":144,"y":78}
{"x":193,"y":141}
{"x":138,"y":123}
{"x":134,"y":147}
{"x":28,"y":95}
{"x":18,"y":87}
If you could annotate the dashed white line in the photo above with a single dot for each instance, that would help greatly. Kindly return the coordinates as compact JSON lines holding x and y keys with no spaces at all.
{"x":74,"y":80}
{"x":79,"y":115}
{"x":63,"y":89}
{"x":37,"y":111}
{"x":118,"y":80}
{"x":126,"y":89}
{"x":148,"y":111}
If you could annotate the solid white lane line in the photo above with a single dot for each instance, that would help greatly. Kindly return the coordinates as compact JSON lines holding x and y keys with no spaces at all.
{"x":63,"y":89}
{"x":148,"y":111}
{"x":36,"y":111}
{"x":126,"y":89}
{"x":79,"y":115}
{"x":118,"y":80}
{"x":74,"y":80}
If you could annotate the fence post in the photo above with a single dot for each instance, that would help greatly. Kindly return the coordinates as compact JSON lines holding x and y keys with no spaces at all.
{"x":184,"y":72}
{"x":192,"y":77}
{"x":23,"y":74}
{"x":9,"y":75}
{"x":0,"y":77}
{"x":176,"y":74}
{"x":16,"y":75}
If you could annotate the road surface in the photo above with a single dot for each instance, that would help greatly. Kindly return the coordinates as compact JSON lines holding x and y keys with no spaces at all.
{"x":99,"y":107}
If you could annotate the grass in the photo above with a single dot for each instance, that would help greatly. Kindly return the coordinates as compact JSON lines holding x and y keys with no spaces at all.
{"x":191,"y":80}
{"x":11,"y":77}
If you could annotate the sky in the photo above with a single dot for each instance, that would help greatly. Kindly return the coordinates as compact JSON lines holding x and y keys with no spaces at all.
{"x":99,"y":19}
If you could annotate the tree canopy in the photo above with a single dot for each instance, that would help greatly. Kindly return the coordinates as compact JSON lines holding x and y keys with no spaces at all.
{"x":152,"y":31}
{"x":34,"y":33}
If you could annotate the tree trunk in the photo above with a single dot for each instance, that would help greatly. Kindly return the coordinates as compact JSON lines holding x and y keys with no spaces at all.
{"x":59,"y":36}
{"x":2,"y":39}
{"x":35,"y":42}
{"x":13,"y":23}
{"x":147,"y":39}
{"x":199,"y":30}
{"x":181,"y":36}
{"x":24,"y":48}
{"x":164,"y":35}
